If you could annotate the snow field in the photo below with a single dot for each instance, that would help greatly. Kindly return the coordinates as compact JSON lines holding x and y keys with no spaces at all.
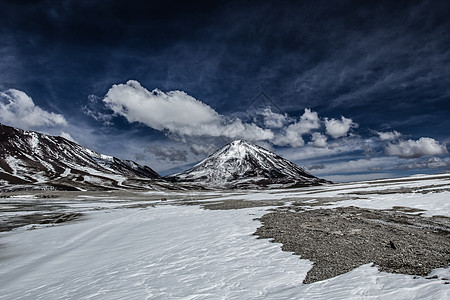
{"x":185,"y":252}
{"x":159,"y":253}
{"x":173,"y":252}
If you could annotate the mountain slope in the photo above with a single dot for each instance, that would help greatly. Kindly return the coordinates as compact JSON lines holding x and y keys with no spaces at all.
{"x":241,"y":164}
{"x":28,"y":157}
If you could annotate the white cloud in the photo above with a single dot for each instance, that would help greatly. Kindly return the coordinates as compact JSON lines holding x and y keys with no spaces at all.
{"x":185,"y":117}
{"x":318,"y":140}
{"x":273,"y":119}
{"x":413,"y":149}
{"x":177,"y":112}
{"x":18,"y":109}
{"x":308,"y":121}
{"x":290,"y":138}
{"x":67,"y":136}
{"x":240,"y":130}
{"x":389,"y":135}
{"x":339,"y":128}
{"x":293,"y":133}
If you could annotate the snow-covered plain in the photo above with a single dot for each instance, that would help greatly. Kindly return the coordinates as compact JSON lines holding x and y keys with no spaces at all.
{"x":186,"y":252}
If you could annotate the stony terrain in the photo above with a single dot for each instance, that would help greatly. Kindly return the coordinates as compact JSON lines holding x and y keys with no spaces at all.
{"x":339,"y":240}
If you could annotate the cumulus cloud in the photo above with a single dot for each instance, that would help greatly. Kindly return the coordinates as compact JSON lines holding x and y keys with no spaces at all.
{"x":293,"y":133}
{"x":290,"y":138}
{"x":168,"y":153}
{"x":318,"y":140}
{"x":185,"y":118}
{"x":389,"y":135}
{"x":273,"y":119}
{"x":415,"y":148}
{"x":237,"y":129}
{"x":308,"y":121}
{"x":177,"y":112}
{"x":18,"y":109}
{"x":339,"y":128}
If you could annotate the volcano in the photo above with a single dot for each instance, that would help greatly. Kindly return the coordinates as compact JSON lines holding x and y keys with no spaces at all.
{"x":241,"y":164}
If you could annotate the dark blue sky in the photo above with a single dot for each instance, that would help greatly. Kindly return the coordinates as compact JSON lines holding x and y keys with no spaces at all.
{"x":383,"y":65}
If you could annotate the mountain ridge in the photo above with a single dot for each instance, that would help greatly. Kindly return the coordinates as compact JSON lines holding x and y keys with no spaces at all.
{"x":31,"y":158}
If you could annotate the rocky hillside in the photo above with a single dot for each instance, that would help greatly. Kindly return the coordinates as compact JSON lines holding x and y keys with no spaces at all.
{"x":37,"y":159}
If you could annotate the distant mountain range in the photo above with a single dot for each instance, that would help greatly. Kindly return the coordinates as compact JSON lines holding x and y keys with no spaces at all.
{"x":32,"y":160}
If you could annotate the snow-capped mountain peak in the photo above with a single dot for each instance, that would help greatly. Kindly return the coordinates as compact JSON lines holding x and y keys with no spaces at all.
{"x":238,"y":150}
{"x":242,"y":164}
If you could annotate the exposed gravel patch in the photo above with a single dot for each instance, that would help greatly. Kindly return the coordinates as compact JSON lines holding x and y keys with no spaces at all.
{"x":239,"y":204}
{"x":406,"y":180}
{"x":230,"y":204}
{"x":297,"y":203}
{"x":434,"y":188}
{"x":339,"y":240}
{"x":301,"y":202}
{"x":38,"y":219}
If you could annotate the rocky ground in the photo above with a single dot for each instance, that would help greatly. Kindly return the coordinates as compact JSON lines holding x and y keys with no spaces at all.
{"x":339,"y":240}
